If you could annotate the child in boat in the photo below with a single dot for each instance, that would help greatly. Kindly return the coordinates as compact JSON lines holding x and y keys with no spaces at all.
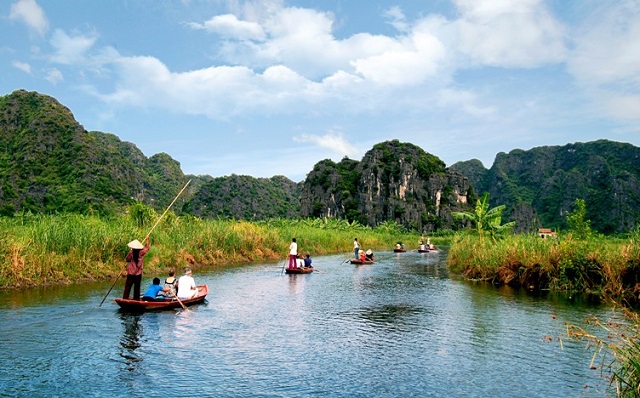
{"x":153,"y":290}
{"x":363,"y":255}
{"x":307,"y":260}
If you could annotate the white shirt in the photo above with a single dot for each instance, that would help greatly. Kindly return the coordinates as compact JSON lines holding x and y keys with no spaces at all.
{"x":186,"y":287}
{"x":293,"y":249}
{"x":300,"y":262}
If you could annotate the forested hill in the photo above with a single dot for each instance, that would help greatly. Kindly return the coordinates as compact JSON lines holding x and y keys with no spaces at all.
{"x":539,"y":186}
{"x":49,"y":163}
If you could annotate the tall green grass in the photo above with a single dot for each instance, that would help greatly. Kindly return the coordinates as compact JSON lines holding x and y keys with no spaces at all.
{"x":53,"y":249}
{"x":607,"y":266}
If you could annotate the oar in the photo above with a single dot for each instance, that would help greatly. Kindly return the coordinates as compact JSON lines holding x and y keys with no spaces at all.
{"x":114,"y":283}
{"x":179,"y":301}
{"x":149,"y":234}
{"x":285,"y":263}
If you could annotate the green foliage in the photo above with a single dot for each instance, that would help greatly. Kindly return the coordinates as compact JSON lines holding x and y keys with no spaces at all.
{"x":485,"y":219}
{"x":142,"y":215}
{"x":578,"y":225}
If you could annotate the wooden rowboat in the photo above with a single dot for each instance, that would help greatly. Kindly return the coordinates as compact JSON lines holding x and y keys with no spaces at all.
{"x":358,"y":262}
{"x":165,"y":304}
{"x":399,"y":250}
{"x":305,"y":270}
{"x":423,"y":250}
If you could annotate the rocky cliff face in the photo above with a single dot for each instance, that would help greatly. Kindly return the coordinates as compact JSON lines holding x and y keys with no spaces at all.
{"x":540,"y":186}
{"x":393,"y":182}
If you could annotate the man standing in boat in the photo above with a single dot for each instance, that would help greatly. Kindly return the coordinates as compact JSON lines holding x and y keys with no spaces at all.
{"x":134,"y":268}
{"x":293,"y":254}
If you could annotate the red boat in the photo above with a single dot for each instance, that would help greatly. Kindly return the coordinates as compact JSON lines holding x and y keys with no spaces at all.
{"x":359,"y":262}
{"x":165,"y":304}
{"x":305,"y":270}
{"x":399,"y":250}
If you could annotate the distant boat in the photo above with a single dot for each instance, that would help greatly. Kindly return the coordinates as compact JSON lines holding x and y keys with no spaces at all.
{"x":399,"y":250}
{"x":423,"y":250}
{"x":164,"y":304}
{"x":305,"y":270}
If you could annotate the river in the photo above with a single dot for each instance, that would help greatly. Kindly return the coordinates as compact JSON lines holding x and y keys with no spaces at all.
{"x":399,"y":328}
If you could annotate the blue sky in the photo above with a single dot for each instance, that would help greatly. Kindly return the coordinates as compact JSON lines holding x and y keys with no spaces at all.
{"x":269,"y":87}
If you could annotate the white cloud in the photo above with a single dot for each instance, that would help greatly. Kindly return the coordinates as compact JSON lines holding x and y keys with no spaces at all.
{"x":230,"y":26}
{"x":26,"y":68}
{"x":466,"y":101}
{"x":507,"y":33}
{"x":334,"y":142}
{"x":606,"y":62}
{"x":29,"y":12}
{"x":54,"y":76}
{"x":71,"y":49}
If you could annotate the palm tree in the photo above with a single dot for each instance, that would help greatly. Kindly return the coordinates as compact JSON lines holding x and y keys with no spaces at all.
{"x":485,"y":219}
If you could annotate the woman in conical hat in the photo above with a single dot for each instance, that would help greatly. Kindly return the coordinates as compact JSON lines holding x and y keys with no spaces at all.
{"x":134,"y":268}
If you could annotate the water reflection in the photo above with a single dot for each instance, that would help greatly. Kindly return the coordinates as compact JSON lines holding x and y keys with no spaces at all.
{"x":131,"y":340}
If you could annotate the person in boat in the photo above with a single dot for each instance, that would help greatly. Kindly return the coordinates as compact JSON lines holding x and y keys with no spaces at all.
{"x":363,"y":255}
{"x":430,"y":245}
{"x":171,"y":284}
{"x":422,"y":246}
{"x":293,"y":254}
{"x":398,"y":246}
{"x":356,"y":247}
{"x":187,"y":287}
{"x":402,"y":246}
{"x":422,"y":240}
{"x":369,"y":255}
{"x":134,"y":268}
{"x":307,"y":260}
{"x":300,"y":262}
{"x":153,"y":291}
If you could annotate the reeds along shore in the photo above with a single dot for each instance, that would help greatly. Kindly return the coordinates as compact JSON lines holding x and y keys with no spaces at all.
{"x":42,"y":249}
{"x":609,"y":267}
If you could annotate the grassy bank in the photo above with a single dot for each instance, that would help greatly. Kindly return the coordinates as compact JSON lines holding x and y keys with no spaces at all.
{"x":39,"y":249}
{"x":606,"y":266}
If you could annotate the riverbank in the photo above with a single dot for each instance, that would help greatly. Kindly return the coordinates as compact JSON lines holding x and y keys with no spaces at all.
{"x":40,"y":250}
{"x":608,"y":267}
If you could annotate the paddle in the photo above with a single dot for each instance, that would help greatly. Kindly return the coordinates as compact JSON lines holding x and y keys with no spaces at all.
{"x":180,"y":302}
{"x":147,"y":237}
{"x":285,"y":263}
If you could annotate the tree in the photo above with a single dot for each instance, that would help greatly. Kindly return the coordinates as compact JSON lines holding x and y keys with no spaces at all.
{"x":485,"y":219}
{"x":580,"y":227}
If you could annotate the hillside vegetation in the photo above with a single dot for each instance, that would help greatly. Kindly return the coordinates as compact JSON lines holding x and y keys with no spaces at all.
{"x":50,"y":164}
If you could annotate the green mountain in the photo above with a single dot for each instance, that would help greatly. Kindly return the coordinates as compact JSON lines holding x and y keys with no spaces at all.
{"x":540,"y":186}
{"x":245,"y":197}
{"x":49,"y":163}
{"x":394,"y":182}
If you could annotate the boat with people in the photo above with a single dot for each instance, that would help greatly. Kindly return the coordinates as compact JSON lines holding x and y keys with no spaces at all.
{"x":423,"y":250}
{"x":162,"y":304}
{"x":399,"y":250}
{"x":304,"y":270}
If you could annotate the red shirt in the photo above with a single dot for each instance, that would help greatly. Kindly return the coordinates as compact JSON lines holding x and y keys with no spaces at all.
{"x":135,"y":267}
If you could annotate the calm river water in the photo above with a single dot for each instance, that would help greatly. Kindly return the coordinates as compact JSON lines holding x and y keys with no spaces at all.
{"x":397,"y":328}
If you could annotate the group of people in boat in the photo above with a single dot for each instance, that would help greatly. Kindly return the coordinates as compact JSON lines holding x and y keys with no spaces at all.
{"x":426,"y":245}
{"x":296,"y":260}
{"x":360,"y":254}
{"x":183,"y":288}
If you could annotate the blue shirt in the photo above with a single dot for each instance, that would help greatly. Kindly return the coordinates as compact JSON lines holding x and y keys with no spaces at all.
{"x":152,"y":291}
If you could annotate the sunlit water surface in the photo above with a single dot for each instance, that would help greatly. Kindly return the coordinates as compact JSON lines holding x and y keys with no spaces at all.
{"x":398,"y":328}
